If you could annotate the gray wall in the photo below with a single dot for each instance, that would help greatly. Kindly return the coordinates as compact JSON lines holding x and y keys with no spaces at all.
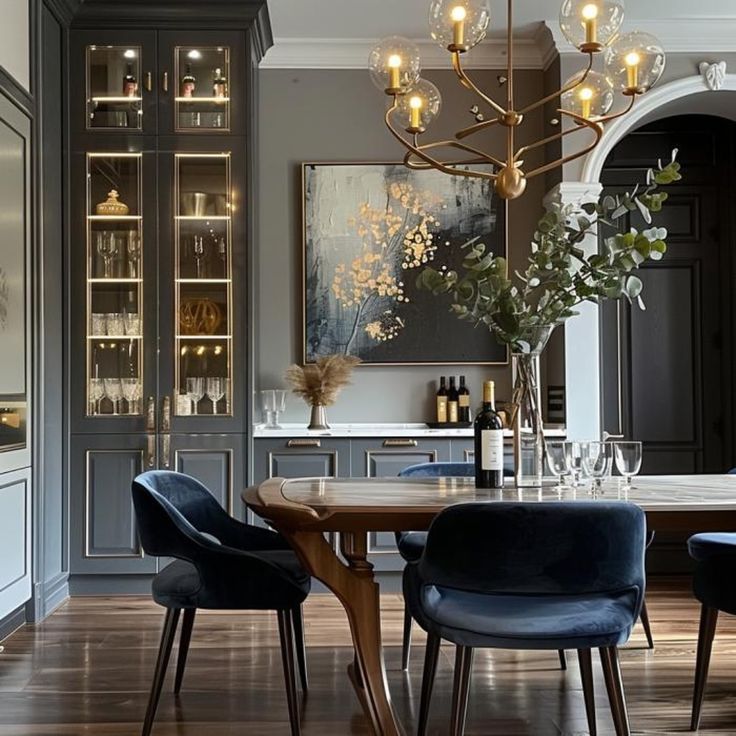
{"x":326,"y":115}
{"x":15,"y":41}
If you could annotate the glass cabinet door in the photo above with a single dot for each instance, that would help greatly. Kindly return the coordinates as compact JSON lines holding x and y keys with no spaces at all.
{"x":114,"y":87}
{"x":203,"y":284}
{"x":202,"y":97}
{"x":114,"y":385}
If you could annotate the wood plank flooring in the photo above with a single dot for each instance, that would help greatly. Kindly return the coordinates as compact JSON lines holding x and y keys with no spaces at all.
{"x":87,"y":669}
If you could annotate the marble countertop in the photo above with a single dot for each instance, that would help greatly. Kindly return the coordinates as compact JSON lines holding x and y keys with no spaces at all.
{"x":377,"y":430}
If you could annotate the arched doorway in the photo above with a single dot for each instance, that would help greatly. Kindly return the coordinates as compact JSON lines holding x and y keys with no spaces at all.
{"x":666,"y":373}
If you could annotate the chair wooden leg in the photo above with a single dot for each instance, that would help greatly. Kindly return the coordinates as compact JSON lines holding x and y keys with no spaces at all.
{"x":586,"y":675}
{"x":460,"y":689}
{"x":162,"y":662}
{"x":185,"y":636}
{"x":563,"y":659}
{"x":406,"y":639}
{"x":708,"y":621}
{"x":612,"y":676}
{"x":431,"y":655}
{"x":644,"y":616}
{"x":297,"y":620}
{"x":286,"y":635}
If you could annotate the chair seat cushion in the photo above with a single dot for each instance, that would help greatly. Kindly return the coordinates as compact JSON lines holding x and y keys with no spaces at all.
{"x":411,"y":545}
{"x":703,"y":546}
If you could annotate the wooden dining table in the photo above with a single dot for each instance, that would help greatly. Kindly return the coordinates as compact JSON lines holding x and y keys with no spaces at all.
{"x":304,"y":509}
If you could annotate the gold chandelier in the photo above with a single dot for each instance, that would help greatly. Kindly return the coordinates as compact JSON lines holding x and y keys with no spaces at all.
{"x":632,"y":62}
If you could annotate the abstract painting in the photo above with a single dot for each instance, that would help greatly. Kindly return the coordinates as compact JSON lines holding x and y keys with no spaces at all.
{"x":369,"y":230}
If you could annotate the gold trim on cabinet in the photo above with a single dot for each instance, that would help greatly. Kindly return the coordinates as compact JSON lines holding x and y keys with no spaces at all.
{"x":86,"y":553}
{"x":369,"y":454}
{"x":332,"y":453}
{"x":230,"y":471}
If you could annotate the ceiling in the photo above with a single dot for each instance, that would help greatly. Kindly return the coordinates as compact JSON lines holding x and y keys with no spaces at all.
{"x":372,"y":19}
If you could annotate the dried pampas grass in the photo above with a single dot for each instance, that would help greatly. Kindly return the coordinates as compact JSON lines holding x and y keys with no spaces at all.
{"x":320,"y":383}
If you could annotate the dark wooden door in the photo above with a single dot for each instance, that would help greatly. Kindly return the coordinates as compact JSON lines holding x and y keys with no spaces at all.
{"x":667,"y":376}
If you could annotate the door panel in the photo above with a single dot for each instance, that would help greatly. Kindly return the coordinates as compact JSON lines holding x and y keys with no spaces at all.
{"x":15,"y":540}
{"x":387,"y":458}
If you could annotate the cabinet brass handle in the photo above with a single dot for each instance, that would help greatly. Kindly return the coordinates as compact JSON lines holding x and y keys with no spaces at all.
{"x":151,"y":451}
{"x":166,"y":414}
{"x":400,"y":443}
{"x":149,"y":81}
{"x":151,"y":415}
{"x":166,"y":450}
{"x":165,"y":83}
{"x":304,"y":443}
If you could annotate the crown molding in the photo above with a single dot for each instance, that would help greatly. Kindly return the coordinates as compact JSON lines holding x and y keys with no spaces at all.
{"x":352,"y":53}
{"x":677,"y":36}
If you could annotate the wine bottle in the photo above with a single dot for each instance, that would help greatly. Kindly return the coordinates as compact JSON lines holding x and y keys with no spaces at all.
{"x":442,"y":402}
{"x":130,"y":83}
{"x":463,"y":401}
{"x":488,"y":442}
{"x":188,"y":83}
{"x":219,"y":84}
{"x":452,"y":402}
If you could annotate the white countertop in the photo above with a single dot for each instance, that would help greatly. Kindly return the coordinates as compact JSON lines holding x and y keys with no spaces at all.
{"x":377,"y":430}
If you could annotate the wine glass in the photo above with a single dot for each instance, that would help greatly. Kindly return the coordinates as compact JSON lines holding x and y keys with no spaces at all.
{"x":195,"y":391}
{"x":96,"y":393}
{"x":557,"y":461}
{"x":131,"y":388}
{"x":574,"y":460}
{"x":628,"y":461}
{"x":597,"y":461}
{"x":114,"y":392}
{"x":215,"y":391}
{"x":133,"y":249}
{"x":107,"y":247}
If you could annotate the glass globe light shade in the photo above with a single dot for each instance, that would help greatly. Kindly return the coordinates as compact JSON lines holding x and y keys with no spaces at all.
{"x":590,"y":25}
{"x":394,"y":64}
{"x":419,"y":107}
{"x":635,"y":62}
{"x":458,"y":25}
{"x":591,"y":99}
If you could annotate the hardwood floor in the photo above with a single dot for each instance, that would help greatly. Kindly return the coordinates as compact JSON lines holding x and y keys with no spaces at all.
{"x":87,"y":670}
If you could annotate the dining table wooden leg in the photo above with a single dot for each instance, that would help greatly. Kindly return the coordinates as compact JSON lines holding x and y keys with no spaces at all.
{"x":355,"y":587}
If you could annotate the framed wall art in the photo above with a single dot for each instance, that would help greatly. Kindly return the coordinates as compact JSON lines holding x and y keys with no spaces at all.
{"x":369,"y":230}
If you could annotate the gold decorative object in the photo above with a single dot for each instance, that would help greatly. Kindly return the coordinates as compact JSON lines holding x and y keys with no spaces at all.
{"x":112,"y":206}
{"x":634,"y":62}
{"x":199,"y":317}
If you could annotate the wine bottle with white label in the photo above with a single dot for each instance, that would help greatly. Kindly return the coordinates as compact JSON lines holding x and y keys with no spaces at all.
{"x":488,"y":442}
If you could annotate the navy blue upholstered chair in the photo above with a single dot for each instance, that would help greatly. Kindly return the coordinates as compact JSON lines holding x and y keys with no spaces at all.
{"x":713,"y":585}
{"x":411,"y":544}
{"x":539,"y":576}
{"x":220,"y":564}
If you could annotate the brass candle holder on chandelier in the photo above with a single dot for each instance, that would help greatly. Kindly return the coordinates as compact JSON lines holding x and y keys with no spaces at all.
{"x":633,"y":63}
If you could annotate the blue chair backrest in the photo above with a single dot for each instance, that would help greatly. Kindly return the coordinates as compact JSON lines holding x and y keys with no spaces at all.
{"x":445,"y":470}
{"x":537,"y":548}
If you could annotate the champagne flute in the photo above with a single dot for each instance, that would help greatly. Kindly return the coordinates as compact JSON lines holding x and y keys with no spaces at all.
{"x":215,"y":391}
{"x":628,"y":461}
{"x":195,"y":391}
{"x":574,"y":460}
{"x":199,"y":253}
{"x":557,"y":462}
{"x":597,"y":461}
{"x":114,"y":392}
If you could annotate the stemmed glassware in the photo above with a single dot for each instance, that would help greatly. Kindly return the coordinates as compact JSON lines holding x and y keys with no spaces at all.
{"x":574,"y":452}
{"x":273,"y":403}
{"x":215,"y":391}
{"x":199,"y":254}
{"x":195,"y":391}
{"x":107,"y":247}
{"x":114,"y":392}
{"x":96,"y":393}
{"x":628,"y":461}
{"x":222,"y":253}
{"x":131,"y":388}
{"x":597,"y":461}
{"x":133,"y":248}
{"x":557,"y":461}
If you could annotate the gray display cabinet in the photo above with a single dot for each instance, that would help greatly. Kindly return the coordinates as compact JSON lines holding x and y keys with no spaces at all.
{"x":161,"y":115}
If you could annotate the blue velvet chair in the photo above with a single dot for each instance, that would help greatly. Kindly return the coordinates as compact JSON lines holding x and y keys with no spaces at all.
{"x":220,"y":564}
{"x":713,"y":585}
{"x":541,"y":576}
{"x":411,"y":544}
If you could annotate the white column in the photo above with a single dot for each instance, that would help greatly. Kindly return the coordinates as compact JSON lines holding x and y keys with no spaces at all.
{"x":582,"y":336}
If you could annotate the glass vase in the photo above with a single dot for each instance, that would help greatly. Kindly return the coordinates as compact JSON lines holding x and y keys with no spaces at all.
{"x":527,"y":421}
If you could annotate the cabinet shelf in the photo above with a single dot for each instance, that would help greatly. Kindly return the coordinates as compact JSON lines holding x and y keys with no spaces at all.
{"x":114,"y":281}
{"x":202,"y":218}
{"x":118,"y":99}
{"x":204,"y":281}
{"x":113,"y":218}
{"x":114,"y":337}
{"x":202,"y":100}
{"x":204,"y":337}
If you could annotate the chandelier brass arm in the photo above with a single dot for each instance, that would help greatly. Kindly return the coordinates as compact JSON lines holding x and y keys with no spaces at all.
{"x":572,"y":85}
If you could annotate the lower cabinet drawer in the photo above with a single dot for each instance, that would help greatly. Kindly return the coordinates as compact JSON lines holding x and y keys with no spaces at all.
{"x":386,"y":458}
